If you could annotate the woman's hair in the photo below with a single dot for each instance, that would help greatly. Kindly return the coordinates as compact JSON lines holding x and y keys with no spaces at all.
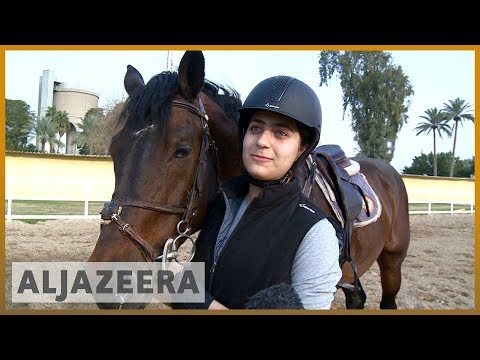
{"x":306,"y":133}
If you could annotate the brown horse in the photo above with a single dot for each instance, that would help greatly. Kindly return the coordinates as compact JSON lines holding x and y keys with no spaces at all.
{"x":178,"y":141}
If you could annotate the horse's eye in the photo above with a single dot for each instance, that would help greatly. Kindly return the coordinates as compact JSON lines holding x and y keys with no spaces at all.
{"x":182,"y":152}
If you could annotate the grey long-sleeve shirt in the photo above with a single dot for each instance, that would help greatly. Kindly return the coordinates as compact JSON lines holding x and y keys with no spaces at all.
{"x":316,"y":270}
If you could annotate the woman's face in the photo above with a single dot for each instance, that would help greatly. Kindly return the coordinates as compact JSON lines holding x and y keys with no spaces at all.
{"x":271,"y":145}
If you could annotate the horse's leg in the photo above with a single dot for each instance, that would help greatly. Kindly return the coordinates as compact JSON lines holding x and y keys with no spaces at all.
{"x":391,"y":259}
{"x":390,"y":264}
{"x":355,"y":299}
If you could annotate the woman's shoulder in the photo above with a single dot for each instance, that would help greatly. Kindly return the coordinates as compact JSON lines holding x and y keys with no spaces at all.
{"x":309,"y":205}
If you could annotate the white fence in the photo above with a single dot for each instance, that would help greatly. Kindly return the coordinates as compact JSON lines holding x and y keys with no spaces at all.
{"x":9,"y":216}
{"x":45,"y":190}
{"x":457,"y":203}
{"x":464,"y":208}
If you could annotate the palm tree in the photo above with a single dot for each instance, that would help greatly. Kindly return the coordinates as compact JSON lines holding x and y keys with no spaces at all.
{"x":50,"y":112}
{"x":50,"y":115}
{"x":59,"y":119}
{"x":457,"y":111}
{"x":45,"y":131}
{"x":436,"y":121}
{"x":88,"y":127}
{"x":63,"y":124}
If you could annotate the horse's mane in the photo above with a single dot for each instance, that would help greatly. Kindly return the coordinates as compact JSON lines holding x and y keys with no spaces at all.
{"x":151,"y":106}
{"x":227,"y":98}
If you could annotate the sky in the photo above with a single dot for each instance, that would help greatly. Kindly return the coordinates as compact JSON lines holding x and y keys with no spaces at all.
{"x":435,"y":75}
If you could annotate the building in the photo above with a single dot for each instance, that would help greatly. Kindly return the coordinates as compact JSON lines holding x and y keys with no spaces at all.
{"x":75,"y":102}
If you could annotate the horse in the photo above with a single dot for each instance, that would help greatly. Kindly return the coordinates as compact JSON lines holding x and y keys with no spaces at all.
{"x":178,"y":142}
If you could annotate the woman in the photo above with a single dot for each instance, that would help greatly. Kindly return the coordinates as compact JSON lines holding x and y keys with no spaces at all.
{"x":262,"y":231}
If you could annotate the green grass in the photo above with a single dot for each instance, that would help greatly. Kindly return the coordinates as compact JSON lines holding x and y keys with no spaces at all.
{"x":37,"y":207}
{"x":30,"y":221}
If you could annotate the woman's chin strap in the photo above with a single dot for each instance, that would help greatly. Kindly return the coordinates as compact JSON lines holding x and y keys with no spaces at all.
{"x":266,"y":183}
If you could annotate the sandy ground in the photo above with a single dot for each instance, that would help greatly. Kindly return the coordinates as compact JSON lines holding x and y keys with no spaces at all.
{"x":438,"y":272}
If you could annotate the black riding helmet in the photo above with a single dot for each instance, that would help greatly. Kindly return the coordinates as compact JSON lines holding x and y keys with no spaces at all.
{"x":288,"y":96}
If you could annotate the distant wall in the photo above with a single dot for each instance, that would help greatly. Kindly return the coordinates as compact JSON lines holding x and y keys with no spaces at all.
{"x":439,"y":189}
{"x":63,"y":177}
{"x":58,"y":177}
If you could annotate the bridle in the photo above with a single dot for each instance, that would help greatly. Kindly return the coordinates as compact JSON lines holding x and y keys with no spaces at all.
{"x":111,"y":210}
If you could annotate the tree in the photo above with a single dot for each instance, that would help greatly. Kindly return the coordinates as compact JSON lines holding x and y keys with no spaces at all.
{"x":62,"y":122}
{"x":437,"y":123}
{"x":98,"y":129}
{"x":59,"y":119}
{"x":105,"y":128}
{"x":423,"y":165}
{"x":465,"y":168}
{"x":376,"y":91}
{"x":88,"y":128}
{"x":18,"y":118}
{"x":44,"y":130}
{"x":457,"y":111}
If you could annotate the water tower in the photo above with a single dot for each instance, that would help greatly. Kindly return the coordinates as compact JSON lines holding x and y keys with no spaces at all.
{"x":76,"y":102}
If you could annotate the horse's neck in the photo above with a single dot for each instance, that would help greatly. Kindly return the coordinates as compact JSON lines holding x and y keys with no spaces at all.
{"x":224,"y":132}
{"x":229,"y":173}
{"x":229,"y":156}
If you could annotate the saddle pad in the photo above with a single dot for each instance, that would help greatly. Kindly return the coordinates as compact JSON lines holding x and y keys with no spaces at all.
{"x":374,"y":205}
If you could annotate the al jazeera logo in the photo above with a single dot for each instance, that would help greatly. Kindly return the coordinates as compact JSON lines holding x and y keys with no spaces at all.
{"x":95,"y":282}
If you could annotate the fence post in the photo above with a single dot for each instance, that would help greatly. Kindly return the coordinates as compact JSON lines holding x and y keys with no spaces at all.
{"x":9,"y":208}
{"x":451,"y":203}
{"x":85,"y":207}
{"x":9,"y":199}
{"x":430,"y":202}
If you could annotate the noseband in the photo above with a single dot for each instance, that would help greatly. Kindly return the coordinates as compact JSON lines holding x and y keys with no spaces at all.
{"x":111,"y":210}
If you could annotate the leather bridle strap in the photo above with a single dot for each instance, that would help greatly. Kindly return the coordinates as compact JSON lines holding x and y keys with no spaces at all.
{"x":187,"y":106}
{"x":189,"y":211}
{"x":144,"y":247}
{"x":167,"y":209}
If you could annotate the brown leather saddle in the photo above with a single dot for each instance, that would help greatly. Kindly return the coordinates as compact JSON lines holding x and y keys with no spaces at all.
{"x":331,"y":162}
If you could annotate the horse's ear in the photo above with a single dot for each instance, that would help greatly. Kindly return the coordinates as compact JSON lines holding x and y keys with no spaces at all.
{"x":191,"y":73}
{"x":133,"y":80}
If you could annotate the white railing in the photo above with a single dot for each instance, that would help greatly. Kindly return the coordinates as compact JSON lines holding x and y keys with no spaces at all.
{"x":463,"y":200}
{"x":40,"y":189}
{"x":457,"y":202}
{"x":9,"y":216}
{"x":465,"y":208}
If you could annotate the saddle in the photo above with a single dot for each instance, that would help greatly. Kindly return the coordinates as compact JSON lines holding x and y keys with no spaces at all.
{"x":336,"y":169}
{"x":332,"y":171}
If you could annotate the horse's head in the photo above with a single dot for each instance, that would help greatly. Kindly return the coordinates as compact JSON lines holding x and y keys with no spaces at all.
{"x":166,"y":161}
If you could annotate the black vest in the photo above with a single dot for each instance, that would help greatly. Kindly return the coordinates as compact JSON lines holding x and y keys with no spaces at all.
{"x":261,"y":250}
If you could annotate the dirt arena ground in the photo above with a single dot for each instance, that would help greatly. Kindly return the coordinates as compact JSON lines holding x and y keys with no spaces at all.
{"x":438,"y":272}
